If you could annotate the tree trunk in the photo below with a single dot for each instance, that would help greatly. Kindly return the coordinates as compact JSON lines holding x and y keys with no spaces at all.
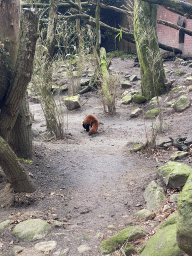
{"x":20,"y":137}
{"x":9,"y":112}
{"x":46,"y":96}
{"x":23,"y":72}
{"x":13,"y":170}
{"x":151,"y":67}
{"x":9,"y":20}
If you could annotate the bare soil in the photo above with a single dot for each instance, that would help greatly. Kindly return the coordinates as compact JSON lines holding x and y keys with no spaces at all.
{"x":91,"y":182}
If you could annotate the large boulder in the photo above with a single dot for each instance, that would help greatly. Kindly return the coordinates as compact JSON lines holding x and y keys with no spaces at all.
{"x":174,"y":174}
{"x":72,"y":102}
{"x":31,"y":230}
{"x":181,"y":104}
{"x":163,"y":243}
{"x":154,"y":196}
{"x":113,"y":243}
{"x":184,"y":223}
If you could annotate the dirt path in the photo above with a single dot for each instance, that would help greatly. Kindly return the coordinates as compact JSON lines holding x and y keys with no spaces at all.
{"x":91,"y":182}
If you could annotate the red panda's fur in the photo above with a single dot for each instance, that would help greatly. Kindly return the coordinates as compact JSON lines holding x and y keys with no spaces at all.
{"x":92,"y":121}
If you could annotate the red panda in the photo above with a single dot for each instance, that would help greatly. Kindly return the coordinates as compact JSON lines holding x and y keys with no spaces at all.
{"x":92,"y":121}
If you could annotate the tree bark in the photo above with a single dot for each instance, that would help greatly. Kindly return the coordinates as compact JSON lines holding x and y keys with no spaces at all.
{"x":9,"y":20}
{"x":13,"y":170}
{"x":151,"y":66}
{"x":23,"y":71}
{"x":47,"y":100}
{"x":20,"y":137}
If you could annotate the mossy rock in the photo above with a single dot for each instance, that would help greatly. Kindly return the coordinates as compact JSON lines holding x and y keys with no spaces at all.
{"x":150,"y":114}
{"x":128,"y":250}
{"x":126,"y":99}
{"x":181,"y":104}
{"x":31,"y":230}
{"x":180,"y":73}
{"x":170,"y":221}
{"x":163,"y":243}
{"x":184,"y":224}
{"x":175,"y":174}
{"x":137,"y":98}
{"x":114,"y":242}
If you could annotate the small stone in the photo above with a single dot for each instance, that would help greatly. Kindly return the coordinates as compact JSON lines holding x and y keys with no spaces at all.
{"x":136,"y":112}
{"x":125,"y":85}
{"x":178,"y":155}
{"x":46,"y":246}
{"x":111,"y":227}
{"x":83,"y":248}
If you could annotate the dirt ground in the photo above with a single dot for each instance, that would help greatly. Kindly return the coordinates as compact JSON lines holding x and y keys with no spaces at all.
{"x":91,"y":182}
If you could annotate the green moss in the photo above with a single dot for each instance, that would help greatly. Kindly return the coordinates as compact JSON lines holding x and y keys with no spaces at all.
{"x":137,"y":98}
{"x":170,"y":221}
{"x":152,"y":113}
{"x":163,"y":243}
{"x":114,"y":242}
{"x":180,"y":73}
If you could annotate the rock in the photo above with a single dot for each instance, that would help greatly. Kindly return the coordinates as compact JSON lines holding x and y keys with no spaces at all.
{"x":163,"y":243}
{"x":133,"y":78}
{"x":111,"y":227}
{"x":99,"y":235}
{"x":46,"y":246}
{"x":145,"y":214}
{"x":154,"y":101}
{"x":63,"y":88}
{"x":134,"y":92}
{"x":181,"y":104}
{"x":126,"y":85}
{"x":178,"y":155}
{"x":170,"y":221}
{"x":22,"y":251}
{"x":177,"y":89}
{"x":170,"y":103}
{"x":184,"y":227}
{"x":180,"y":73}
{"x":31,"y":230}
{"x":4,"y":225}
{"x":83,"y":248}
{"x":17,"y":249}
{"x":126,"y":99}
{"x":58,"y":223}
{"x":128,"y":234}
{"x":136,"y":112}
{"x":154,"y":196}
{"x":128,"y":250}
{"x":188,"y":80}
{"x":174,"y":174}
{"x":150,"y":114}
{"x":137,"y":98}
{"x":63,"y":252}
{"x":72,"y":102}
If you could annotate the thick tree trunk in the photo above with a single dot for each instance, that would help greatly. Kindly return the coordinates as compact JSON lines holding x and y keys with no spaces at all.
{"x":151,"y":66}
{"x":20,"y":137}
{"x":9,"y":112}
{"x":13,"y":170}
{"x":23,"y":72}
{"x":9,"y":20}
